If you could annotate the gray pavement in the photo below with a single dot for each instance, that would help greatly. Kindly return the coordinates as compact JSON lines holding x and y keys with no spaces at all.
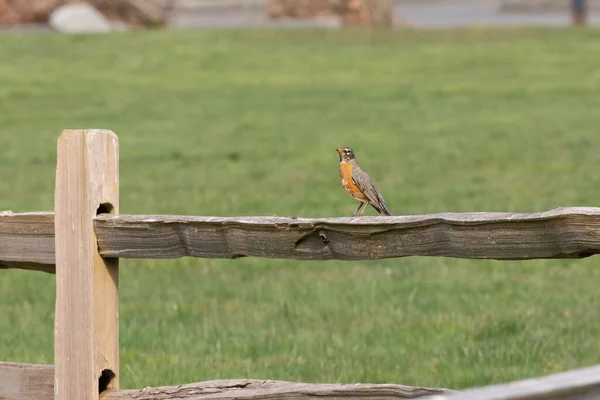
{"x":462,"y":14}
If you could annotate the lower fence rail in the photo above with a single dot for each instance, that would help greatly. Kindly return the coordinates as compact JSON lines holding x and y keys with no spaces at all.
{"x":36,"y":382}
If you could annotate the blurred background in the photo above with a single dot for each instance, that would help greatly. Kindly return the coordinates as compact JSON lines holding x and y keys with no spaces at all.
{"x":122,"y":14}
{"x":451,"y":106}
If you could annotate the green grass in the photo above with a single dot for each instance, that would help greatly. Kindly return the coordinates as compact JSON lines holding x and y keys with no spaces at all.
{"x":246,"y":123}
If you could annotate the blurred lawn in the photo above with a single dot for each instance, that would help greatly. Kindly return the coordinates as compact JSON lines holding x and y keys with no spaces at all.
{"x":246,"y":123}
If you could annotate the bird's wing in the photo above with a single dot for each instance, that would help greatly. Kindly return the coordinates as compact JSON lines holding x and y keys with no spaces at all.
{"x":366,"y":185}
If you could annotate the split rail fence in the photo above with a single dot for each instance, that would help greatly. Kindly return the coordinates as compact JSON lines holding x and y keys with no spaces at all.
{"x":82,"y":241}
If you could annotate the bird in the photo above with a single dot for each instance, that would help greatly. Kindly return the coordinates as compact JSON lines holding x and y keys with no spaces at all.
{"x":358,"y":184}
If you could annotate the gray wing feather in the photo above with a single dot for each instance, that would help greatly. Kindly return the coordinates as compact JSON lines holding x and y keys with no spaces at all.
{"x":366,"y":185}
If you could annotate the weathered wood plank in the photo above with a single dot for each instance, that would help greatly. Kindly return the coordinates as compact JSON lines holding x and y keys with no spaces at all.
{"x":561,"y":233}
{"x":26,"y":381}
{"x":27,"y":241}
{"x":572,"y":232}
{"x":35,"y":382}
{"x":579,"y":384}
{"x":86,"y":346}
{"x":51,"y":269}
{"x":251,"y":389}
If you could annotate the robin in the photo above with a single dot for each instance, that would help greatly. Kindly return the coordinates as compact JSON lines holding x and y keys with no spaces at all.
{"x":357,"y":183}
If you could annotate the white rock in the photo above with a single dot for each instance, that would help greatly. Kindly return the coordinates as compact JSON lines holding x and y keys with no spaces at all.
{"x":79,"y":18}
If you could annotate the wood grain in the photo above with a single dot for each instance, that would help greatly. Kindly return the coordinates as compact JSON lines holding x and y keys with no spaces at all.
{"x":561,"y":233}
{"x":572,"y":232}
{"x":27,"y":241}
{"x":35,"y":382}
{"x":579,"y":384}
{"x":86,"y":319}
{"x":250,"y":389}
{"x":26,"y":381}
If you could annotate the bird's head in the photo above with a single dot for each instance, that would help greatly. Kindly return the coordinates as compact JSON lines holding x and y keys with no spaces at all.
{"x":346,"y":154}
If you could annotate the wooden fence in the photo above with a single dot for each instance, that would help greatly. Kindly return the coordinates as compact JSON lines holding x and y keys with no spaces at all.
{"x":82,"y":241}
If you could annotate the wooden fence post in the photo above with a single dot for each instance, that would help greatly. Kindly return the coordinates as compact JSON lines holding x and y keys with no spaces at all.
{"x":86,"y":347}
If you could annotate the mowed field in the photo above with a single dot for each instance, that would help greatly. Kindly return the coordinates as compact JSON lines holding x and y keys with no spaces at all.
{"x":246,"y":123}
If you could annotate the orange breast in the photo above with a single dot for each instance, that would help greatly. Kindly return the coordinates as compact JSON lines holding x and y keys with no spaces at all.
{"x":348,"y":183}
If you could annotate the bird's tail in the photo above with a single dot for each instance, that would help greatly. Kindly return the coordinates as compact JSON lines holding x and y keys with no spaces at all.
{"x":381,"y":208}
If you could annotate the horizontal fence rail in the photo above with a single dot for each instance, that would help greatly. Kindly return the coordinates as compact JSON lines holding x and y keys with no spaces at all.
{"x":579,"y":384}
{"x":36,"y":382}
{"x":27,"y":240}
{"x":560,"y":233}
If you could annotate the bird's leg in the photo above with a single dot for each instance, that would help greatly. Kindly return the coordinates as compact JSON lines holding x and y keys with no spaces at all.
{"x":366,"y":203}
{"x":358,"y":209}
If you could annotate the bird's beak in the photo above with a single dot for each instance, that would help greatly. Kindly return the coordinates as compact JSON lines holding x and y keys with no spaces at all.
{"x":339,"y":150}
